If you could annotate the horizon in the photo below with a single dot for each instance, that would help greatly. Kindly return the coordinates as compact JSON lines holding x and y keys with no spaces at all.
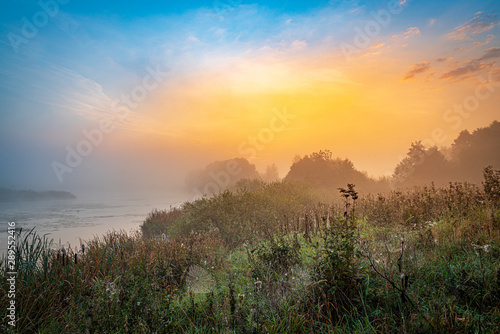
{"x":124,"y":97}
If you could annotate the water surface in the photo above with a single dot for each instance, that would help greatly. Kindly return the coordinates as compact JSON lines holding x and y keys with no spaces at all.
{"x":68,"y":222}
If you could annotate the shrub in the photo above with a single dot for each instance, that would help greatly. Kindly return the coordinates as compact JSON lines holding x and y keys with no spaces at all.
{"x":274,"y":258}
{"x":159,"y":221}
{"x":491,"y":185}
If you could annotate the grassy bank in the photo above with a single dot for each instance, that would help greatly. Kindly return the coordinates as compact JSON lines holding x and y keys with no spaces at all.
{"x":275,"y":258}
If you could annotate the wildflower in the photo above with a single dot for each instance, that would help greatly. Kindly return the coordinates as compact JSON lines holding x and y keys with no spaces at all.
{"x":110,"y":289}
{"x":485,"y":248}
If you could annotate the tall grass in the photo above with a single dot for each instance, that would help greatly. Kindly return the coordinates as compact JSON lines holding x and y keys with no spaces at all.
{"x":275,"y":259}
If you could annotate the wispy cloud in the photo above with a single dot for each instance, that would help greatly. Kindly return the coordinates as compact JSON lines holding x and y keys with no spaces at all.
{"x":410,"y":32}
{"x":71,"y":92}
{"x":442,"y":60}
{"x":488,"y":40}
{"x":478,"y":24}
{"x":377,"y":46}
{"x":495,"y":74}
{"x":473,"y":65}
{"x":417,"y":69}
{"x":491,"y":53}
{"x":466,"y":68}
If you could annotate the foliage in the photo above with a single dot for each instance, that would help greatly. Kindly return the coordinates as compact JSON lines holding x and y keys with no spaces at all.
{"x":468,"y":154}
{"x":420,"y":166}
{"x":491,"y":185}
{"x":272,"y":260}
{"x":220,"y":175}
{"x":422,"y":204}
{"x":244,"y":214}
{"x":159,"y":221}
{"x":322,"y":171}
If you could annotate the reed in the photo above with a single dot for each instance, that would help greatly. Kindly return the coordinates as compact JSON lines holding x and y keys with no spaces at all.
{"x":274,"y":260}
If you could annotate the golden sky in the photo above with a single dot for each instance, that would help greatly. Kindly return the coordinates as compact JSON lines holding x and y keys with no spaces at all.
{"x":186,"y":86}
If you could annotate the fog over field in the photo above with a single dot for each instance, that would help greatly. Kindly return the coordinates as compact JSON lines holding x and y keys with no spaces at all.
{"x":260,"y":166}
{"x":129,"y":98}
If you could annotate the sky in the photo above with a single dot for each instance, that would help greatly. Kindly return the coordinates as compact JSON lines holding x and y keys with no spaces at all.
{"x":127,"y":96}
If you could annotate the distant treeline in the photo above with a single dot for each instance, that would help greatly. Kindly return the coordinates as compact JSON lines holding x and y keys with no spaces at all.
{"x":30,"y":195}
{"x":463,"y":161}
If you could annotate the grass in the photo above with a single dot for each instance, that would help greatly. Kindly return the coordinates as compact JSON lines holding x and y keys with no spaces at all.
{"x":274,"y":260}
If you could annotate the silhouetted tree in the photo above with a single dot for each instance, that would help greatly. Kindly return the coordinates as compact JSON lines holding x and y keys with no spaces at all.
{"x":422,"y":165}
{"x":469,"y":154}
{"x":271,"y":174}
{"x":220,"y":175}
{"x":321,"y":170}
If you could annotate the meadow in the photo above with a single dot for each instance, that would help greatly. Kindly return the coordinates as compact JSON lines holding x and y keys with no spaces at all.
{"x":276,"y":258}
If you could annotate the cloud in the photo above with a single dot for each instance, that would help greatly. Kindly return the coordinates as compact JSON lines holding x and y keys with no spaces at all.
{"x":192,"y":38}
{"x":491,"y":53}
{"x":70,"y":91}
{"x":495,"y":74}
{"x":488,"y":40}
{"x":476,"y":25}
{"x":466,"y":68}
{"x":410,"y":32}
{"x":297,"y":45}
{"x":442,"y":60}
{"x":377,"y":46}
{"x":416,"y":69}
{"x":458,"y":71}
{"x":431,"y":22}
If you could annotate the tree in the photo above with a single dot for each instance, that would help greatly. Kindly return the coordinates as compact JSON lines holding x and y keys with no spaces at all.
{"x":220,"y":175}
{"x":421,"y":166}
{"x":321,"y":170}
{"x":296,"y":159}
{"x":271,"y":174}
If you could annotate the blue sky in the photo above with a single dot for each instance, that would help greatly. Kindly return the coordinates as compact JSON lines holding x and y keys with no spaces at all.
{"x":65,"y":76}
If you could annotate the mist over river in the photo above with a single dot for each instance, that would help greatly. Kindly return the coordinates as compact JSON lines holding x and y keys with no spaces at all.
{"x":69,"y":221}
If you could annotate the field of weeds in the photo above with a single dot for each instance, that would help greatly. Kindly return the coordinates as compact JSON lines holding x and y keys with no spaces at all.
{"x":277,"y":258}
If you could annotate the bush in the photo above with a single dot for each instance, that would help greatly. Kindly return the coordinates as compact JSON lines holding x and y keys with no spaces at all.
{"x":491,"y":185}
{"x":159,"y":221}
{"x":274,"y":258}
{"x":336,"y":269}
